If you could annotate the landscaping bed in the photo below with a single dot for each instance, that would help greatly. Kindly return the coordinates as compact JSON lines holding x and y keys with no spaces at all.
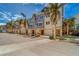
{"x":72,"y":39}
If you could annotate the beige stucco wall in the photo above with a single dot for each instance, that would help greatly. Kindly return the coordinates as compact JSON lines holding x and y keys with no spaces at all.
{"x":48,"y":31}
{"x":37,"y":30}
{"x":47,"y":28}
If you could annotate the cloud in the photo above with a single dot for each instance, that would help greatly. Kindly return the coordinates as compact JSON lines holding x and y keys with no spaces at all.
{"x":2,"y":23}
{"x":16,"y":16}
{"x":8,"y":13}
{"x":5,"y":16}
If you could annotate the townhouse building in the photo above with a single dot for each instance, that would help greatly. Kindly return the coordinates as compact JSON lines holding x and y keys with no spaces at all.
{"x":36,"y":24}
{"x":42,"y":24}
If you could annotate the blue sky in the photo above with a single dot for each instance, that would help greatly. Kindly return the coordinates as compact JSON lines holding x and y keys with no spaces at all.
{"x":71,"y":10}
{"x":10,"y":11}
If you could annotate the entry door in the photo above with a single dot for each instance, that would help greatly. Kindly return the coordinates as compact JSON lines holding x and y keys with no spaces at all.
{"x":32,"y":31}
{"x":42,"y":32}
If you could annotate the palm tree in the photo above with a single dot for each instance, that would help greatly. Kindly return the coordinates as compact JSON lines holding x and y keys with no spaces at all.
{"x":19,"y":21}
{"x":10,"y":26}
{"x":69,"y":24}
{"x":24,"y":21}
{"x":54,"y":13}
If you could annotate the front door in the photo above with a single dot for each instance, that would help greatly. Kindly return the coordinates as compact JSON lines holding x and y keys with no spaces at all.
{"x":42,"y":32}
{"x":32,"y":32}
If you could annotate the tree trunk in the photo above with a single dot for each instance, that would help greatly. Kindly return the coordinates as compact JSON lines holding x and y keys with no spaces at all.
{"x":54,"y":31}
{"x":67,"y":29}
{"x":25,"y":28}
{"x":60,"y":31}
{"x":19,"y":29}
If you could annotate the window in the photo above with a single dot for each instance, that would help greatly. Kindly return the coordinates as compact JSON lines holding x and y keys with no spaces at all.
{"x":48,"y":23}
{"x":40,"y":24}
{"x":30,"y":26}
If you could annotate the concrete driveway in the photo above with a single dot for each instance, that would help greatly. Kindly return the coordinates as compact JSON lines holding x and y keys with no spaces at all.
{"x":18,"y":45}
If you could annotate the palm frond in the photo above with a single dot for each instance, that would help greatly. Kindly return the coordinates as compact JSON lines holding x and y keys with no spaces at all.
{"x":23,"y":14}
{"x":61,"y":5}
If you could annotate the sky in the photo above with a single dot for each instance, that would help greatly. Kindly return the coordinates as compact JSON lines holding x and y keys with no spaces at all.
{"x":71,"y":9}
{"x":9,"y":11}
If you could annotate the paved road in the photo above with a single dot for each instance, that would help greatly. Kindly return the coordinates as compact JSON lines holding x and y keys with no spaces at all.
{"x":18,"y":45}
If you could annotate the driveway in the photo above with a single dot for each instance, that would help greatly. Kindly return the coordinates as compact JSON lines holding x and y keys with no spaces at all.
{"x":19,"y":45}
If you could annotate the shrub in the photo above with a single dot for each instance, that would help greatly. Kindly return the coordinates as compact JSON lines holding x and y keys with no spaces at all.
{"x":51,"y":37}
{"x":0,"y":30}
{"x":62,"y":38}
{"x":72,"y":40}
{"x":76,"y":33}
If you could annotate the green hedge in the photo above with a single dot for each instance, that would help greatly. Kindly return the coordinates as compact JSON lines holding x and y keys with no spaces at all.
{"x":51,"y":37}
